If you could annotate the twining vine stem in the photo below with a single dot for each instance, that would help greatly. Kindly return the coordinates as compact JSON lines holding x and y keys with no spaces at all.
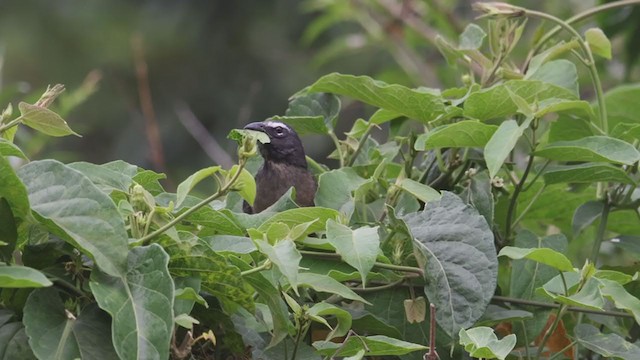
{"x":145,"y":240}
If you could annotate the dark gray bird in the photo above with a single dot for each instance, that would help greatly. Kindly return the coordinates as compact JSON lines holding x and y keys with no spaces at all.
{"x":285,"y":166}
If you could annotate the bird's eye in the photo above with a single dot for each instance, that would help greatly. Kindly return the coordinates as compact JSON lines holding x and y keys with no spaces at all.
{"x":279,"y":130}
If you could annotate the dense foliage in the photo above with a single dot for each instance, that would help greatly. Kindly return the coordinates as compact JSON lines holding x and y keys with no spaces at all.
{"x":491,"y":210}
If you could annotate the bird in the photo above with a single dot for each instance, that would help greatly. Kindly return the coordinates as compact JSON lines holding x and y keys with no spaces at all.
{"x":285,"y":166}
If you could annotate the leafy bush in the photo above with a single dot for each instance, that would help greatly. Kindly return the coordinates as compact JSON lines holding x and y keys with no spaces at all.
{"x":473,"y":197}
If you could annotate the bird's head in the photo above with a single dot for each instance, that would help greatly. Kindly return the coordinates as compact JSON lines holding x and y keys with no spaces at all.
{"x":285,"y":145}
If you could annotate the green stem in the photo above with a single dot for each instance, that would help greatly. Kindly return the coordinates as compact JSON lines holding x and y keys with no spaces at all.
{"x":526,"y":210}
{"x":266,"y":265}
{"x":576,"y":18}
{"x":336,"y":142}
{"x":145,"y":240}
{"x":514,"y":199}
{"x":378,"y":288}
{"x":334,"y":256}
{"x":602,"y":228}
{"x":593,"y":70}
{"x":11,"y":124}
{"x":361,"y":142}
{"x":526,"y":340}
{"x":552,"y":329}
{"x":505,"y":299}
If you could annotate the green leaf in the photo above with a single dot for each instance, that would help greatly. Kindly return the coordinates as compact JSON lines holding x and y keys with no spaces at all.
{"x":298,"y":216}
{"x":545,"y":256}
{"x":586,"y":173}
{"x":382,"y":116}
{"x":471,"y":38}
{"x":55,"y":333}
{"x":482,"y":342}
{"x":230,"y":243}
{"x":501,"y":144}
{"x":186,"y":294}
{"x":588,"y":297}
{"x":189,"y":183}
{"x":140,"y":304}
{"x":449,"y":233}
{"x":245,"y":185}
{"x":598,"y":42}
{"x":74,"y":209}
{"x":336,"y":187}
{"x":415,"y":104}
{"x":285,"y":256}
{"x":13,"y":190}
{"x":44,"y":120}
{"x":495,"y":102}
{"x":561,"y":73}
{"x":22,"y":277}
{"x":528,"y":275}
{"x":239,"y":134}
{"x":586,"y":214}
{"x":567,"y":127}
{"x":496,"y":314}
{"x":8,"y":232}
{"x":192,"y":256}
{"x":421,"y":191}
{"x":622,"y":105}
{"x":312,"y":113}
{"x":468,"y":133}
{"x":358,"y":248}
{"x":9,"y":149}
{"x":607,"y":345}
{"x":377,"y":345}
{"x":14,"y":342}
{"x":626,"y":132}
{"x":342,"y":316}
{"x":105,"y":178}
{"x":620,"y":297}
{"x":576,"y":108}
{"x":324,"y":283}
{"x":478,"y":194}
{"x":591,"y":149}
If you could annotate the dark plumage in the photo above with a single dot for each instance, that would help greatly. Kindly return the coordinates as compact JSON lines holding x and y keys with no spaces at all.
{"x":285,"y":166}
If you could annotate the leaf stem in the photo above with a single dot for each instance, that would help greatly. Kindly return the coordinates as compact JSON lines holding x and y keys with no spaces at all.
{"x":336,"y":142}
{"x":514,"y":199}
{"x":526,"y":210}
{"x":361,"y":142}
{"x":593,"y":70}
{"x":602,"y":228}
{"x":526,"y":340}
{"x":552,"y":329}
{"x":334,"y":256}
{"x":266,"y":265}
{"x":145,"y":240}
{"x":11,"y":124}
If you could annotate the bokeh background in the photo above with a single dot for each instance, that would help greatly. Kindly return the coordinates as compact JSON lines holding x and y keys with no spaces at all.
{"x":210,"y":66}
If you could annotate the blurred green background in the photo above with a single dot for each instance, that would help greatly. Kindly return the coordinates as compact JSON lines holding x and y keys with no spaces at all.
{"x":227,"y":63}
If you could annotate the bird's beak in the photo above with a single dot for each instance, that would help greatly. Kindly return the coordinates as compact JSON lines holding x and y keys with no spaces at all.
{"x":256,"y":126}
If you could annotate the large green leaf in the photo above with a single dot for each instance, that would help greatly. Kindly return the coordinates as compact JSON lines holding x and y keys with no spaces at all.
{"x":545,"y":256}
{"x":416,"y":104}
{"x":358,"y":248}
{"x":468,"y":133}
{"x":194,"y":257}
{"x":285,"y":256}
{"x":8,"y":148}
{"x":104,"y":177}
{"x":314,"y":113}
{"x":336,"y":187}
{"x":140,"y":303}
{"x":622,"y":105}
{"x":73,"y":208}
{"x":421,"y":191}
{"x":586,"y":173}
{"x":298,"y":216}
{"x":324,"y":283}
{"x":591,"y":149}
{"x":559,"y":72}
{"x":501,"y":144}
{"x":376,"y":345}
{"x":14,"y":342}
{"x":449,"y":233}
{"x":607,"y":345}
{"x":13,"y":190}
{"x":22,"y":277}
{"x":55,"y":334}
{"x":482,"y":342}
{"x":528,"y":275}
{"x":478,"y":194}
{"x":495,"y":102}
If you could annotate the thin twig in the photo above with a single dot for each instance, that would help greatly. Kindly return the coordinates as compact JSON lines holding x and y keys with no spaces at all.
{"x":200,"y":133}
